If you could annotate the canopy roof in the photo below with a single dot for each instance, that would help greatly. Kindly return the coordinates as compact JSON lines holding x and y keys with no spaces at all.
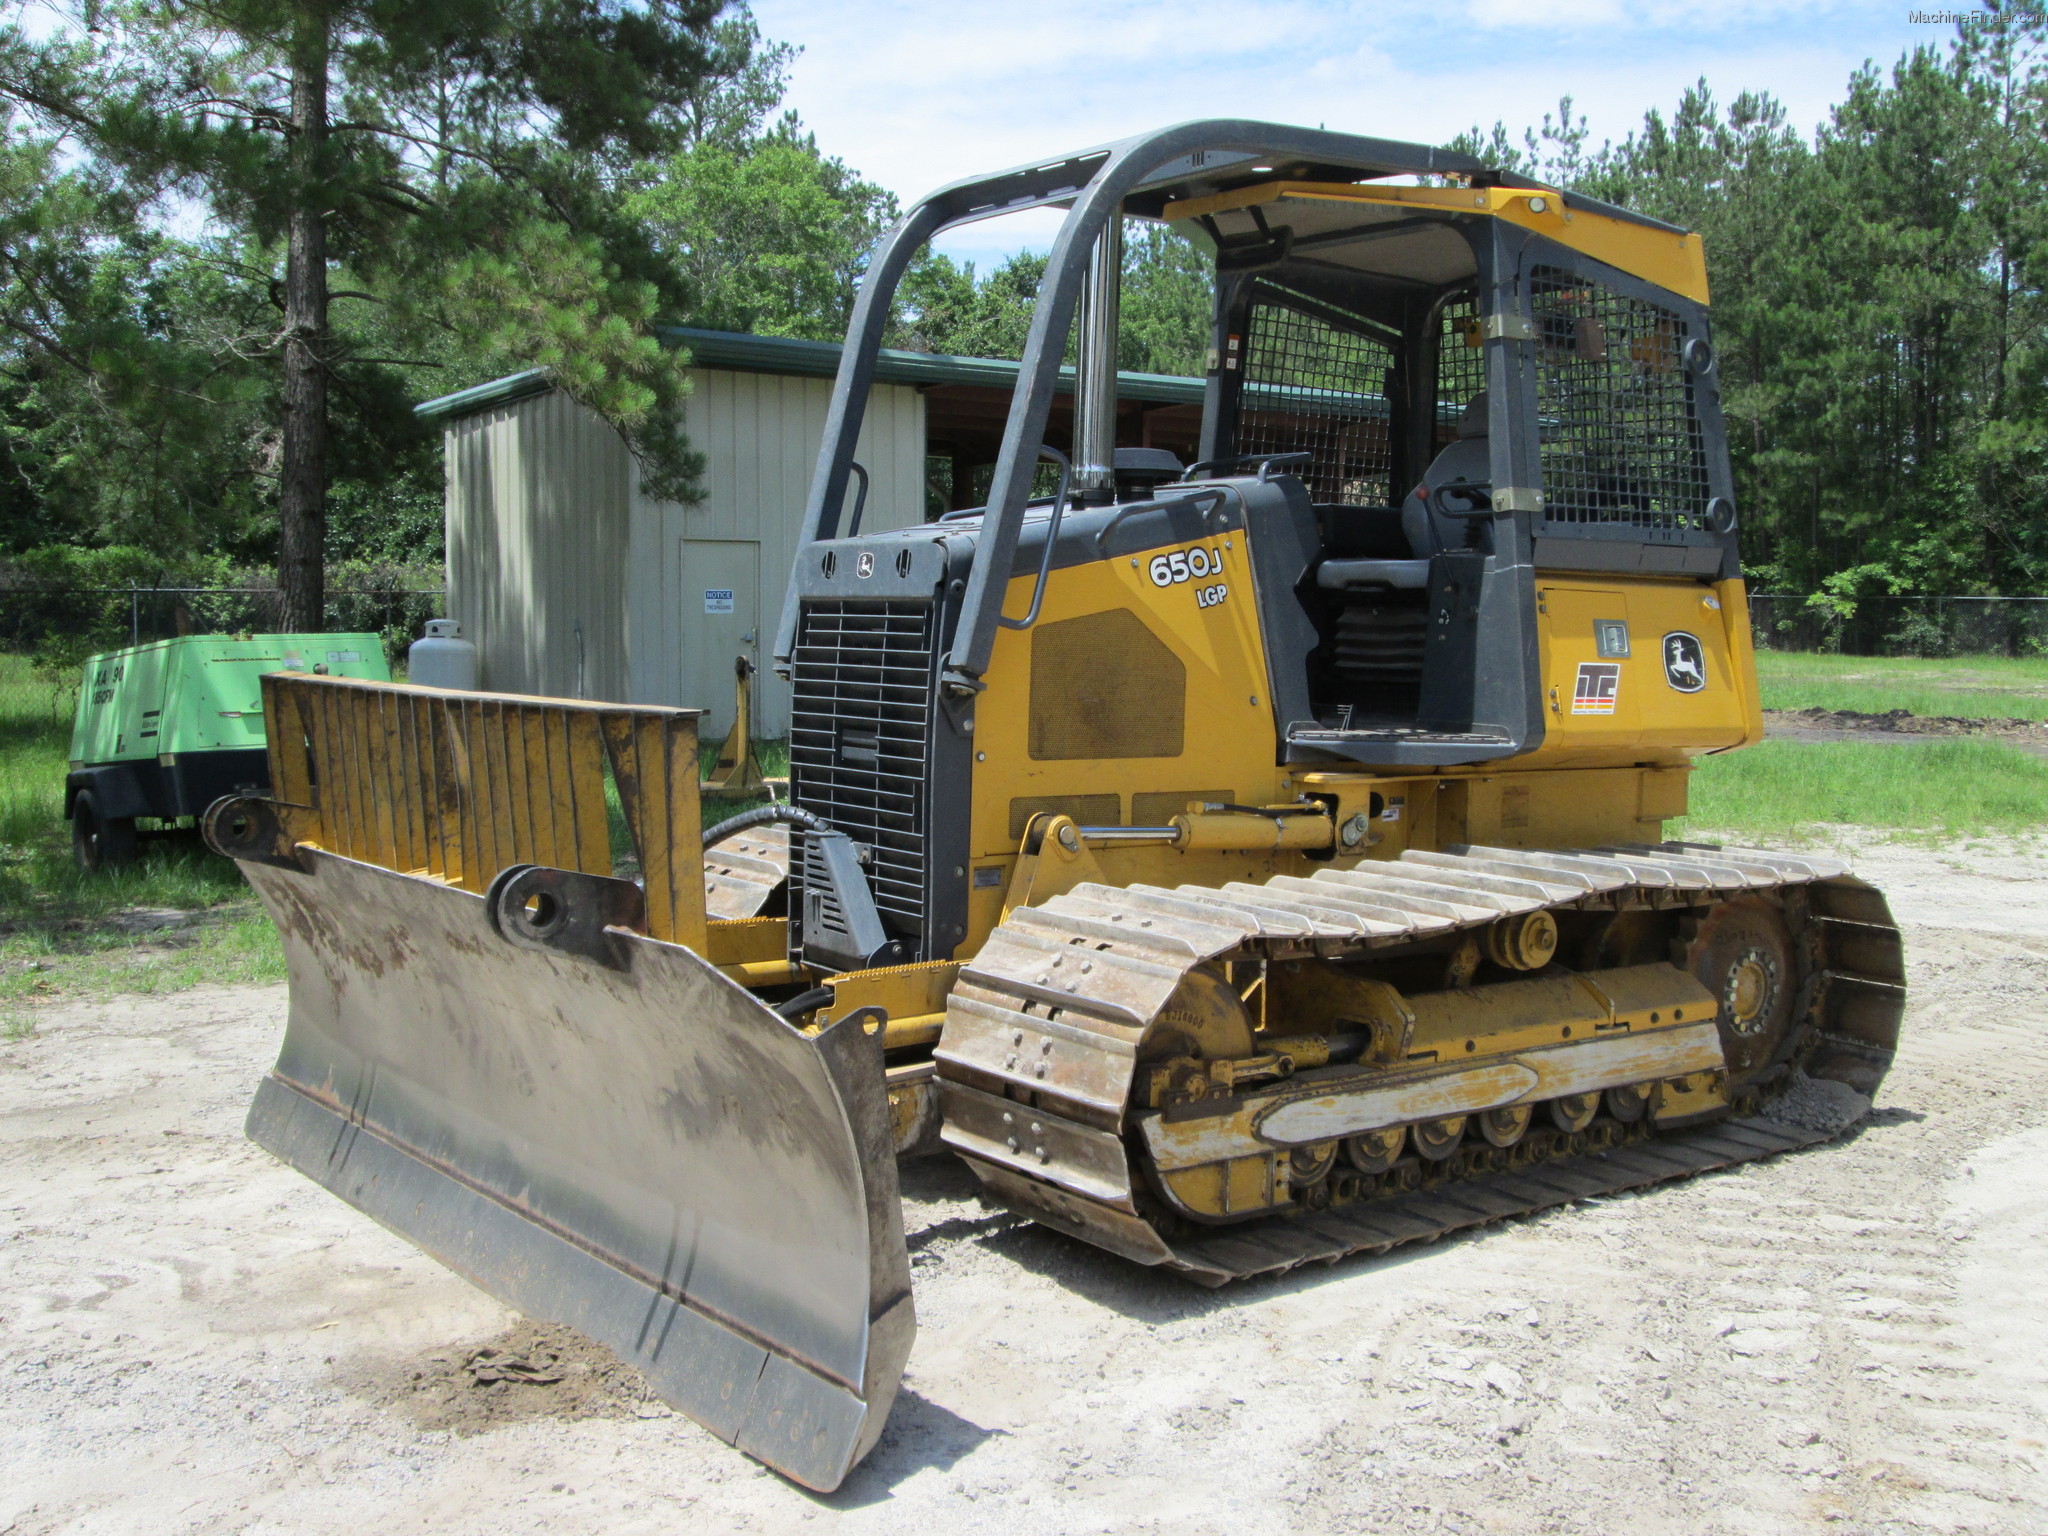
{"x":1408,"y":232}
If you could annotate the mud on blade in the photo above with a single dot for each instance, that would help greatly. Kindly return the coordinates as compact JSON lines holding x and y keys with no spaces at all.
{"x":640,"y":1150}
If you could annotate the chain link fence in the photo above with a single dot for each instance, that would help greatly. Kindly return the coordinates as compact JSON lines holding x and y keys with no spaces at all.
{"x":61,"y":626}
{"x":49,"y":631}
{"x":1901,"y":626}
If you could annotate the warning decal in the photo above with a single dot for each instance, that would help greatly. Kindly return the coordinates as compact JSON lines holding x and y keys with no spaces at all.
{"x":1599,"y":682}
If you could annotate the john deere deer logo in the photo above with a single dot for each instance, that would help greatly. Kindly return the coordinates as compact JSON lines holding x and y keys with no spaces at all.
{"x":1685,"y":662}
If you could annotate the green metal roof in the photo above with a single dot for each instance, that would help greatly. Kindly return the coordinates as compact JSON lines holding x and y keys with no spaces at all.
{"x":738,"y":353}
{"x":481,"y":397}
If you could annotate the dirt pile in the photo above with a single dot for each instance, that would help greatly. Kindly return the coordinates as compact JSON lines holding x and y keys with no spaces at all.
{"x":1900,"y":722}
{"x":530,"y":1371}
{"x":1814,"y":1105}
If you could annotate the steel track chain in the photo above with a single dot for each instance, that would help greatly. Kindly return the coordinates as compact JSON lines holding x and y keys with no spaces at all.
{"x":1040,"y":1052}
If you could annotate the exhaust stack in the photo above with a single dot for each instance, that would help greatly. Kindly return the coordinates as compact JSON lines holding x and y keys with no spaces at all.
{"x":1095,"y":387}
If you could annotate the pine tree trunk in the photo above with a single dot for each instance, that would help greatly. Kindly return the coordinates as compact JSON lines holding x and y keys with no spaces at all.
{"x":302,"y":487}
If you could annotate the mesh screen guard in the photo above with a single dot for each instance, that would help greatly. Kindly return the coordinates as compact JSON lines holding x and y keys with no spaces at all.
{"x":1311,"y":386}
{"x":1619,"y":434}
{"x":1461,"y":362}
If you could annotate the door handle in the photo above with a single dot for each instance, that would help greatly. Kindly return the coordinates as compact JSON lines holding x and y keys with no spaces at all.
{"x":748,"y":637}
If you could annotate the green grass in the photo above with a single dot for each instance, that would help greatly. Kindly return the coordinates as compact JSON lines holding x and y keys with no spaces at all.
{"x":59,"y":935}
{"x":58,"y":932}
{"x":774,"y":755}
{"x":59,"y":938}
{"x":1790,"y":790}
{"x":1973,"y":687}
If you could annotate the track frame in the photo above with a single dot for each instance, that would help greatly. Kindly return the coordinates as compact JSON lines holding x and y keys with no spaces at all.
{"x":1040,"y":1064}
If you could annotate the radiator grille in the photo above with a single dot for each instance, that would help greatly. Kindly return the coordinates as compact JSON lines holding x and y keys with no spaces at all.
{"x":1620,"y":439}
{"x":861,"y":691}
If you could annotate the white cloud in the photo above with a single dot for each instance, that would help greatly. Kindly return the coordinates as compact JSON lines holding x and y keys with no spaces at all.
{"x":916,"y":93}
{"x":1639,"y":16}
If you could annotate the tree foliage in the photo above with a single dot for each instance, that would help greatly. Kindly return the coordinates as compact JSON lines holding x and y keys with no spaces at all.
{"x":128,"y":413}
{"x":1878,"y":308}
{"x":768,"y":234}
{"x":946,"y":306}
{"x":457,"y":164}
{"x":1167,"y":294}
{"x":503,"y":184}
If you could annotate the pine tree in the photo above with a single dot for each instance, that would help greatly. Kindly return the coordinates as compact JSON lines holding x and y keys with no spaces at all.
{"x":456,"y":161}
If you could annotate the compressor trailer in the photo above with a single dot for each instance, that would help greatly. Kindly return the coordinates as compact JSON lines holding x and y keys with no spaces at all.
{"x":1237,"y":864}
{"x":166,"y":728}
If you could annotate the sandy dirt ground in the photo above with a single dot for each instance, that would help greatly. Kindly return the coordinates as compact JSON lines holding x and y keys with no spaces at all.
{"x":1849,"y":1339}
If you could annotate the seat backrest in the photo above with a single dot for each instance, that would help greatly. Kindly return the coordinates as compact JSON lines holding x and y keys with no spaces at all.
{"x":1468,"y":459}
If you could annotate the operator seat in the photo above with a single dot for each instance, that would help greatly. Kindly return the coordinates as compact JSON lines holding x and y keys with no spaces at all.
{"x":1465,"y":460}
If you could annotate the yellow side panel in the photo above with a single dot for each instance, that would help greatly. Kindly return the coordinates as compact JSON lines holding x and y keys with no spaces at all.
{"x":1566,"y":808}
{"x":1734,"y":598}
{"x":1221,"y":734}
{"x":1679,"y":684}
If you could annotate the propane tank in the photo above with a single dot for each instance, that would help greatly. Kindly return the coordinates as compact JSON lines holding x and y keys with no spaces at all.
{"x":442,"y":658}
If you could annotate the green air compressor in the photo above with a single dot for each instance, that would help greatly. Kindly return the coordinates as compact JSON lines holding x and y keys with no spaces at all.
{"x":167,"y":728}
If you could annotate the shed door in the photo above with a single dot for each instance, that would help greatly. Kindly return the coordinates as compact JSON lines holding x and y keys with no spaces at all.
{"x":721,"y":592}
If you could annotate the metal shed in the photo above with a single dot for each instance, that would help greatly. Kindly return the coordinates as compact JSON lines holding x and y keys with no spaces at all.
{"x":571,"y":582}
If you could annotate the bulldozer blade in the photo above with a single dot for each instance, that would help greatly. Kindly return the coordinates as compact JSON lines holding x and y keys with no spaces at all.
{"x":640,"y":1150}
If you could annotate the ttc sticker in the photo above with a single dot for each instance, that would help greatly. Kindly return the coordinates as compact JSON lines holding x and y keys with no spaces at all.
{"x":1685,"y":662}
{"x":1599,"y":682}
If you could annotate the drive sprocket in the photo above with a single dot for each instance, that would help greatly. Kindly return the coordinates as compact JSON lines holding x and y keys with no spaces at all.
{"x":1744,"y":953}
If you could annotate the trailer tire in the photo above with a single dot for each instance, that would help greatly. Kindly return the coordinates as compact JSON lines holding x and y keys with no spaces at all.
{"x":100,"y":842}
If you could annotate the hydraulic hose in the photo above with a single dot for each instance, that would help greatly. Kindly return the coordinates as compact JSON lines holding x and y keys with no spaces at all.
{"x":790,"y":815}
{"x":796,"y":1007}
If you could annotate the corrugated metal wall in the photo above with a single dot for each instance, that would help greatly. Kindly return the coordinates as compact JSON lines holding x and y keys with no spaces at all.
{"x":759,"y":434}
{"x":538,"y":500}
{"x":548,"y":530}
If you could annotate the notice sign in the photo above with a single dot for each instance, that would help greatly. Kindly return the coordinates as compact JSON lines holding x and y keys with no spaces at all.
{"x":1599,"y":682}
{"x":718,"y":599}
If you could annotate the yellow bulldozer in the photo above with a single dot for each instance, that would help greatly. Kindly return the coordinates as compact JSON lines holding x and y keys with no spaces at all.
{"x":1238,"y":864}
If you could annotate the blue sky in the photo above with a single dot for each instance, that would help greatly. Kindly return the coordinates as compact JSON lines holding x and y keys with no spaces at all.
{"x":914,"y":93}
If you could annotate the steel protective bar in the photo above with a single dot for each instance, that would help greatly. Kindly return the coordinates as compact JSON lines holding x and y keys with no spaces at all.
{"x":1094,"y":181}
